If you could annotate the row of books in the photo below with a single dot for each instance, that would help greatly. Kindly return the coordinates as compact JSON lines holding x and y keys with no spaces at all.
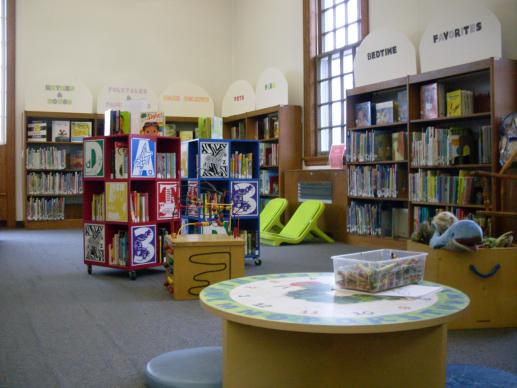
{"x":46,"y":158}
{"x":428,"y":186}
{"x":119,"y":122}
{"x":268,"y":154}
{"x":98,"y":207}
{"x":373,"y":219}
{"x":238,"y":131}
{"x":62,"y":131}
{"x":118,"y":249}
{"x":380,"y":181}
{"x":139,"y":206}
{"x":45,"y":209}
{"x":162,"y":248}
{"x":251,"y":242}
{"x":268,"y":128}
{"x":241,"y":165}
{"x":375,"y":146}
{"x":166,"y":165}
{"x":449,"y":146}
{"x":434,"y":102}
{"x":385,"y":112}
{"x":268,"y":182}
{"x":55,"y":183}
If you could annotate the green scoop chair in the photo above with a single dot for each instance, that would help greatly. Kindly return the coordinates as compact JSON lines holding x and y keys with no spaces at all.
{"x":270,"y":215}
{"x":302,"y":224}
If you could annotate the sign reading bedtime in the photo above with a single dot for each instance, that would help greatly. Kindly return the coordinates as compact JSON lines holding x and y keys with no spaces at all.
{"x":383,"y":55}
{"x":271,"y":89}
{"x":467,"y":32}
{"x":239,"y":98}
{"x":186,"y":99}
{"x":116,"y":97}
{"x":60,"y":96}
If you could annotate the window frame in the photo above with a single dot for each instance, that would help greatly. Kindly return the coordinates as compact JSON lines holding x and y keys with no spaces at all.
{"x":311,"y":45}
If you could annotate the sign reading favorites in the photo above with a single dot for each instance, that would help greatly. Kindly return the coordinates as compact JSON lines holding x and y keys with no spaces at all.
{"x":186,"y":99}
{"x":116,"y":97}
{"x":239,"y":98}
{"x":467,"y":32}
{"x":271,"y":89}
{"x":383,"y":55}
{"x":59,"y":96}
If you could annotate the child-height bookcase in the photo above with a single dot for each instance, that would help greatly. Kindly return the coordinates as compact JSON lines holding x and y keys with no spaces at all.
{"x":52,"y":167}
{"x":131,"y":196}
{"x":223,"y":172}
{"x":279,"y":132}
{"x":441,"y":150}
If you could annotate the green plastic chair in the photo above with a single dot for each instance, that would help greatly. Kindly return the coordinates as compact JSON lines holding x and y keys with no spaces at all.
{"x":270,"y":215}
{"x":302,"y":224}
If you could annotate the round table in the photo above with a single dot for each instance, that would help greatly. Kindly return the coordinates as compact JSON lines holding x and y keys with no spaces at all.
{"x":297,"y":330}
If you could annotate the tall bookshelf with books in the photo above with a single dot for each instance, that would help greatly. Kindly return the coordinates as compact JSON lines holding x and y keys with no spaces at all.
{"x":220,"y":187}
{"x":444,"y":130}
{"x":131,"y":195}
{"x":53,"y":164}
{"x":278,"y":131}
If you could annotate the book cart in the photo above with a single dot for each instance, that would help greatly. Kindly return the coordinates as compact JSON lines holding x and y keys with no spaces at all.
{"x":218,"y":171}
{"x":131,"y":196}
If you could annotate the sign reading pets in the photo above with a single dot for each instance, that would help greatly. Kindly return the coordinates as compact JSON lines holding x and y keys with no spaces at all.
{"x":271,"y":89}
{"x":383,"y":55}
{"x":116,"y":97}
{"x":187,"y":100}
{"x":467,"y":32}
{"x":59,"y":96}
{"x":239,"y":98}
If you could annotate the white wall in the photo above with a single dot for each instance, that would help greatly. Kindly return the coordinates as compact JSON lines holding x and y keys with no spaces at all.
{"x":105,"y":41}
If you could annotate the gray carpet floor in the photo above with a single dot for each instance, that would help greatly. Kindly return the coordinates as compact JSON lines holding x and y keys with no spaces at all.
{"x":60,"y":327}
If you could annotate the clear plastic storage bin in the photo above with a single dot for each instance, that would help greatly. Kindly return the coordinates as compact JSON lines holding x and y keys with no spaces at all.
{"x":378,"y":270}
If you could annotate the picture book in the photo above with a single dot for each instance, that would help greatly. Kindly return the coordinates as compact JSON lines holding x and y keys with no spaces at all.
{"x":336,"y":154}
{"x":37,"y":132}
{"x":402,"y":105}
{"x":245,"y":198}
{"x":382,"y":146}
{"x":169,"y":130}
{"x":143,"y":244}
{"x":399,"y":222}
{"x":186,"y":134}
{"x":432,"y":101}
{"x":121,"y":160}
{"x":398,"y":146}
{"x":385,"y":112}
{"x":210,"y":127}
{"x":184,"y":160}
{"x":143,"y":157}
{"x":460,"y":102}
{"x":93,"y":158}
{"x":168,"y":200}
{"x":79,"y":130}
{"x":94,"y":243}
{"x":116,"y":201}
{"x":61,"y":130}
{"x":363,"y":114}
{"x":152,"y":123}
{"x":214,"y":159}
{"x":76,"y":159}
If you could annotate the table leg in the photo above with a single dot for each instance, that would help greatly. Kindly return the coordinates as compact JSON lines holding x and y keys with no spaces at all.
{"x":257,"y":357}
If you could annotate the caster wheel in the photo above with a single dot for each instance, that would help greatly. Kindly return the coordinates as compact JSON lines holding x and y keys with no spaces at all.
{"x":132,"y":275}
{"x":258,"y":262}
{"x":90,"y":270}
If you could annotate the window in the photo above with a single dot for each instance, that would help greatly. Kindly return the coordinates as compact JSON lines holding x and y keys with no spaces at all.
{"x":332,"y":31}
{"x":3,"y":72}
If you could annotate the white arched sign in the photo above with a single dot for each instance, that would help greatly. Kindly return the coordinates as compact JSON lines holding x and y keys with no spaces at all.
{"x":239,"y":98}
{"x":59,"y":96}
{"x":186,"y":99}
{"x":116,"y":96}
{"x":271,"y":89}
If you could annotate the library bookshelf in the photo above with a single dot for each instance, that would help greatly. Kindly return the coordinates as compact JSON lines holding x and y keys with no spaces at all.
{"x":443,"y":148}
{"x":131,"y":196}
{"x":52,"y":167}
{"x":221,"y":171}
{"x":278,"y":131}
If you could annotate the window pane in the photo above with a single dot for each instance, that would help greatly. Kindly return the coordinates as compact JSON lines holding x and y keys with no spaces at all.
{"x":349,"y":81}
{"x":324,"y":91}
{"x":336,"y":135}
{"x":353,"y":33}
{"x":336,"y":113}
{"x":324,"y":67}
{"x":328,"y":42}
{"x":328,"y":20}
{"x":340,"y":37}
{"x":324,"y":116}
{"x":327,"y":3}
{"x":340,"y":15}
{"x":336,"y":88}
{"x":336,"y":65}
{"x":348,"y":63}
{"x":352,"y":11}
{"x":324,"y":140}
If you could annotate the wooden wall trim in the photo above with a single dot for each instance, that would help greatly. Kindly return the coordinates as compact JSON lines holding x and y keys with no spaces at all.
{"x":11,"y":112}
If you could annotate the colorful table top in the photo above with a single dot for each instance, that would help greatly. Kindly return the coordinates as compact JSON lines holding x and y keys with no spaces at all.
{"x":309,"y":302}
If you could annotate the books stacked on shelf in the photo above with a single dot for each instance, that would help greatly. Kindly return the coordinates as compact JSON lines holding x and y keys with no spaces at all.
{"x":376,"y":220}
{"x":363,"y":114}
{"x":269,"y":182}
{"x":268,"y":154}
{"x":45,"y":209}
{"x":55,"y":183}
{"x":98,"y":209}
{"x":386,"y":112}
{"x":117,"y":122}
{"x":75,"y":161}
{"x":432,"y":101}
{"x":79,"y":130}
{"x":61,"y":130}
{"x":37,"y":132}
{"x":380,"y":181}
{"x":460,"y":102}
{"x":238,"y":132}
{"x":241,"y":165}
{"x":268,"y":128}
{"x":119,"y":249}
{"x":375,"y":146}
{"x":120,"y":160}
{"x":139,"y":206}
{"x":46,"y":158}
{"x":251,"y":240}
{"x":166,"y":165}
{"x":450,"y":146}
{"x":428,"y":186}
{"x":402,"y":105}
{"x":315,"y":190}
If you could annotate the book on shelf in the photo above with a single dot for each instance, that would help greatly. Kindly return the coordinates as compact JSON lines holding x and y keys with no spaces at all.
{"x":266,"y":127}
{"x":432,"y":101}
{"x":269,"y":182}
{"x":238,"y":131}
{"x":184,"y":160}
{"x":386,"y":112}
{"x":116,"y":201}
{"x":363,"y":114}
{"x":268,"y":154}
{"x":186,"y":134}
{"x":117,"y":122}
{"x":379,"y":181}
{"x":460,"y":102}
{"x":79,"y":130}
{"x":162,"y":248}
{"x":45,"y":209}
{"x":276,"y":126}
{"x":98,"y":208}
{"x":251,"y":240}
{"x":139,"y":206}
{"x":399,"y":146}
{"x":375,"y":146}
{"x":336,"y":155}
{"x":402,"y":105}
{"x":485,"y":144}
{"x":241,"y":165}
{"x":118,"y":249}
{"x":61,"y":130}
{"x":151,"y":123}
{"x":120,"y":154}
{"x":382,"y":146}
{"x":166,"y":165}
{"x":210,"y":127}
{"x":169,"y":129}
{"x":37,"y":132}
{"x":49,"y":158}
{"x":399,"y":222}
{"x":55,"y":183}
{"x":76,"y":159}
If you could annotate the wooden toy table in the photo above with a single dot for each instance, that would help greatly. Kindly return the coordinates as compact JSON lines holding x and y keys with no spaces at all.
{"x":201,"y":260}
{"x":295,"y":330}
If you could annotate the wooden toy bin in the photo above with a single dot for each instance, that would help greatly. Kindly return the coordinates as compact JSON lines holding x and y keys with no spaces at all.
{"x":204,"y":259}
{"x":488,"y":277}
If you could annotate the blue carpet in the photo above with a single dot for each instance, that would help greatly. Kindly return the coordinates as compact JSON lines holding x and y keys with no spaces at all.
{"x":468,"y":376}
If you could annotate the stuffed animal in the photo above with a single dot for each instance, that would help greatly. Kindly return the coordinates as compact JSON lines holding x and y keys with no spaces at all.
{"x":464,"y":235}
{"x":504,"y":240}
{"x":443,"y":220}
{"x":424,"y":233}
